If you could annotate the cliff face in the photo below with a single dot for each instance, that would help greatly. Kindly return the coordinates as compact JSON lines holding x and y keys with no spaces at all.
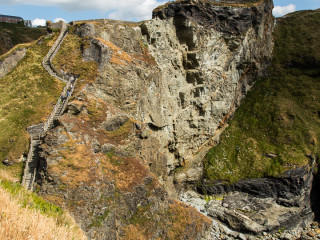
{"x":209,"y":57}
{"x":261,"y":204}
{"x":158,"y":94}
{"x":92,"y":155}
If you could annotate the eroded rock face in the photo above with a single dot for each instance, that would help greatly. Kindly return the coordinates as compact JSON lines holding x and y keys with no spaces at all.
{"x":8,"y":64}
{"x":165,"y":88}
{"x":198,"y":61}
{"x":208,"y":57}
{"x":230,"y":20}
{"x":94,"y":171}
{"x":259,"y":205}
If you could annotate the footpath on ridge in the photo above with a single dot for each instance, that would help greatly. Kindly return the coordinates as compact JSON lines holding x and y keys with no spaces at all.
{"x":37,"y":132}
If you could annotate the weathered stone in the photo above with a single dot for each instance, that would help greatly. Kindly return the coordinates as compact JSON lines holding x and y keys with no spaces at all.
{"x":311,"y":234}
{"x":315,"y":225}
{"x":242,"y":236}
{"x":9,"y":63}
{"x":200,"y":85}
{"x":115,"y":122}
{"x":144,"y":134}
{"x":260,"y":208}
{"x":286,"y":236}
{"x":95,"y":146}
{"x":86,"y":30}
{"x":97,"y":52}
{"x":107,"y":147}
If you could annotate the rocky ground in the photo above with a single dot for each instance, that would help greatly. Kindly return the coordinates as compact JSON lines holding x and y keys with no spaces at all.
{"x":151,"y":98}
{"x":308,"y":233}
{"x":208,"y":205}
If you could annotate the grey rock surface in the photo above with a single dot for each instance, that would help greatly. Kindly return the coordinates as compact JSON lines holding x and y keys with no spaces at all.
{"x":9,"y":63}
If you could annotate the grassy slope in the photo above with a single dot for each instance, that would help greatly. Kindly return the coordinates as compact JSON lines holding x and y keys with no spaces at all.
{"x":26,"y":214}
{"x":69,"y":58}
{"x":281,"y":114}
{"x":18,"y":33}
{"x":27,"y":95}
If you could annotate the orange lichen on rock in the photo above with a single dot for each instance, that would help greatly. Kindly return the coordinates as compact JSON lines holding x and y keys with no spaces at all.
{"x":185,"y":221}
{"x":118,"y":56}
{"x":179,"y":220}
{"x":75,"y":165}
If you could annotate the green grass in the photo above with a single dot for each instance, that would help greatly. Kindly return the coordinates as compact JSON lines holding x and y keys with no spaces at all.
{"x":18,"y":33}
{"x":27,"y":95}
{"x":33,"y":201}
{"x":15,"y":170}
{"x":97,"y":221}
{"x":281,"y":114}
{"x":70,"y":59}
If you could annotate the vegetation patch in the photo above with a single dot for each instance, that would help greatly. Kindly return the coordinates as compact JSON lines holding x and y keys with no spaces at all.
{"x":27,"y":97}
{"x":12,"y":34}
{"x":76,"y":165}
{"x":24,"y":213}
{"x":69,"y":59}
{"x":97,"y":221}
{"x":277,"y":124}
{"x":120,"y":133}
{"x":178,"y":221}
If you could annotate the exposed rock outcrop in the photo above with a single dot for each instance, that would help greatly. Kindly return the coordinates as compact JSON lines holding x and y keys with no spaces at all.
{"x":8,"y":63}
{"x":209,"y":56}
{"x":164,"y":91}
{"x":264,"y":204}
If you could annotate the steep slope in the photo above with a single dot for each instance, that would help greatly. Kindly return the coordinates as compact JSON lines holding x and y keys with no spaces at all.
{"x":278,"y":123}
{"x":150,"y":97}
{"x":263,"y":167}
{"x":93,"y":170}
{"x":28,"y":93}
{"x":12,"y":34}
{"x":26,"y":214}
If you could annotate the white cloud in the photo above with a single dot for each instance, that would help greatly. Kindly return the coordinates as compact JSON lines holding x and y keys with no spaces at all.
{"x":59,"y":19}
{"x":279,"y":11}
{"x":38,"y":22}
{"x":119,"y":9}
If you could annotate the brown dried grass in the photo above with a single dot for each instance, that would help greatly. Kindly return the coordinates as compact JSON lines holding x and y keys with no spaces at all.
{"x":22,"y":223}
{"x":5,"y":175}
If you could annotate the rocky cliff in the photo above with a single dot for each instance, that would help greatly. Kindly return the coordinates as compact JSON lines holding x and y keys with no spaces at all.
{"x":209,"y":56}
{"x":150,"y":99}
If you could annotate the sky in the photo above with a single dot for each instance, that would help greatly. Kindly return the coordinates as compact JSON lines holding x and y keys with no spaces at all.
{"x":132,"y":10}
